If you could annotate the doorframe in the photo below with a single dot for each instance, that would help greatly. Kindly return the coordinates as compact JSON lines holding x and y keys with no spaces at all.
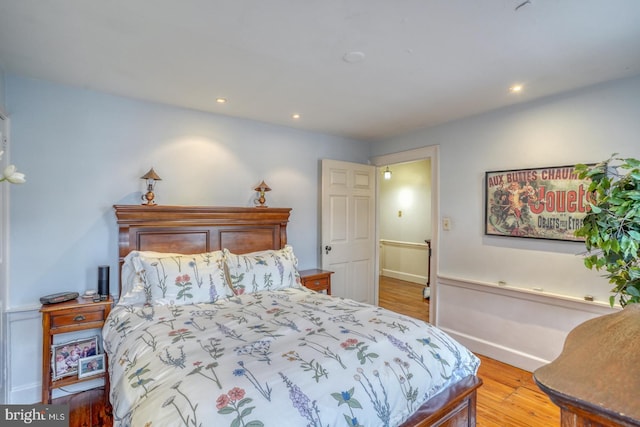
{"x":4,"y":266}
{"x":430,"y":152}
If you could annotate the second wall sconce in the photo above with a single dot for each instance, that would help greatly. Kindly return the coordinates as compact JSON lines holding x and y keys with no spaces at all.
{"x":261,"y":189}
{"x":151,"y":178}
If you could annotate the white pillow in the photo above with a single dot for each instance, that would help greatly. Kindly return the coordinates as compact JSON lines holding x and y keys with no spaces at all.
{"x":180,"y":279}
{"x":264,"y":270}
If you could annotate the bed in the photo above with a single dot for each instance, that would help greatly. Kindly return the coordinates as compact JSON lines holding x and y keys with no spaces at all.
{"x":212,"y":328}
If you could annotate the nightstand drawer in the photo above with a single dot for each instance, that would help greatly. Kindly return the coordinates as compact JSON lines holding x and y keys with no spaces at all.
{"x":316,"y":280}
{"x":78,"y":317}
{"x":317,"y":284}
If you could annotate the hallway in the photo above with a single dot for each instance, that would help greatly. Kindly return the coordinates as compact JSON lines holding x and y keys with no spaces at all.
{"x":403,"y":297}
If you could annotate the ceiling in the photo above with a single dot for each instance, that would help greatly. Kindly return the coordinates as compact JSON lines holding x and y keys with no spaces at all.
{"x":365,"y":69}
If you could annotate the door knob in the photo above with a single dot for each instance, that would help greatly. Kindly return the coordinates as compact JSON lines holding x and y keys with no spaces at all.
{"x":327,"y":249}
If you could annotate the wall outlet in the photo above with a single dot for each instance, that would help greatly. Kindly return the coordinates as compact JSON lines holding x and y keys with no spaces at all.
{"x":446,"y":224}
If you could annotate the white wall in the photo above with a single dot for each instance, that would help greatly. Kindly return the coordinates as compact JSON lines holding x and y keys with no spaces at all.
{"x":84,"y":151}
{"x":583,"y":126}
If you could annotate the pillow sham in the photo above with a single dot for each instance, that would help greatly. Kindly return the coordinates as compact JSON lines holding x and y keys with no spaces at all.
{"x":132,"y":290}
{"x":264,"y":270}
{"x":175,"y":279}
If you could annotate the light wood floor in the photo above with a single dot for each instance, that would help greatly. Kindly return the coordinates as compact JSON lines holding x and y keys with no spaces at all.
{"x":508,"y":397}
{"x":403,"y":297}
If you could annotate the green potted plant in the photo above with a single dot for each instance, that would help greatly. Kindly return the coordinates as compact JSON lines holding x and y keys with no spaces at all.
{"x":612,"y":226}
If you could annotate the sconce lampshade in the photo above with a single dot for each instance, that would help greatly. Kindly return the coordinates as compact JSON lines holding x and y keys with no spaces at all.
{"x":262,"y":187}
{"x":151,"y":175}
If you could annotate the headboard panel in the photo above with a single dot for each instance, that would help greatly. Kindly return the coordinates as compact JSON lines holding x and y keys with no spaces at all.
{"x":196,"y":229}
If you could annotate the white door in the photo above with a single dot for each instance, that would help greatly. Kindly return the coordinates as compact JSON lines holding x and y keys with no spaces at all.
{"x":348,"y":228}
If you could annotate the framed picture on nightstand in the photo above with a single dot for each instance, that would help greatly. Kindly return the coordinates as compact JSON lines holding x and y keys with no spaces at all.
{"x":66,"y":356}
{"x":89,"y":366}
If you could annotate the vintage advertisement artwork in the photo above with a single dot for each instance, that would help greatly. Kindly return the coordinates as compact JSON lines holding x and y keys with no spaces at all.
{"x":544,"y":203}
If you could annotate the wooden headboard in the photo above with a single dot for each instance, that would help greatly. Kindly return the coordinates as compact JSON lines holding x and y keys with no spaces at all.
{"x":197,"y":229}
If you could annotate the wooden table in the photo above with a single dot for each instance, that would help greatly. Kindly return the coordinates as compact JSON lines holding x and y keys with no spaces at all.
{"x":596,"y":379}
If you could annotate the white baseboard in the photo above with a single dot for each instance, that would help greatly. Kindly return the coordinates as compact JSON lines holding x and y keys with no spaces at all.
{"x":414,"y":278}
{"x":507,"y":355}
{"x":25,"y":394}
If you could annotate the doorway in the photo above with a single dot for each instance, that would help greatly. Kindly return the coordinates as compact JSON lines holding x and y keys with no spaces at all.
{"x":407,"y":219}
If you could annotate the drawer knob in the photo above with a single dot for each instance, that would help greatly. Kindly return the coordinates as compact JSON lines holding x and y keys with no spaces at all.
{"x":317,"y":282}
{"x":79,"y":318}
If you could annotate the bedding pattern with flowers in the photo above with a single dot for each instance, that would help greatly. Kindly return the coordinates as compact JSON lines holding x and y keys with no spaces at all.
{"x":289,"y":357}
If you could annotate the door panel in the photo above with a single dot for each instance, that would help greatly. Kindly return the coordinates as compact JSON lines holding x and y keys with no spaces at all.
{"x":362,"y":226}
{"x":362,"y":268}
{"x":339,"y":212}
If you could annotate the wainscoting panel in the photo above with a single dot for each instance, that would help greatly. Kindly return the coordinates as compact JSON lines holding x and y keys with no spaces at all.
{"x":523,"y":328}
{"x":24,"y":341}
{"x":404,"y":260}
{"x":24,"y":344}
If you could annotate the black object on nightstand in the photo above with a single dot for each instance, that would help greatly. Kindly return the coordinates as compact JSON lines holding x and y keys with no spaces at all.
{"x":58,"y":297}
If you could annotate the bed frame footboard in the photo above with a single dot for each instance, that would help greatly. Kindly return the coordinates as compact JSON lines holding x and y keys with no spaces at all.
{"x":453,"y":407}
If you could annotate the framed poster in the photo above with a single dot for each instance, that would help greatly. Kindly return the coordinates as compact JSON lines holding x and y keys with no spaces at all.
{"x":543,"y":203}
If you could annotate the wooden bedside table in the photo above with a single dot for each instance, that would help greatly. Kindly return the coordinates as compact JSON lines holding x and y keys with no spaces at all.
{"x":64,"y":317}
{"x":316,"y":280}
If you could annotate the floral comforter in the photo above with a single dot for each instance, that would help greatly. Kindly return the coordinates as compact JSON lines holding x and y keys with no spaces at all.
{"x":290,"y":357}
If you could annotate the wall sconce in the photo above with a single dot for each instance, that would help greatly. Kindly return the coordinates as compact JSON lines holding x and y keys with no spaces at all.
{"x":261,"y":189}
{"x":151,"y":178}
{"x":387,"y":174}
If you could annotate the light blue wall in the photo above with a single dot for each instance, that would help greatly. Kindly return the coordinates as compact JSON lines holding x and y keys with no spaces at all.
{"x":582,"y":126}
{"x":84,"y":151}
{"x":1,"y":89}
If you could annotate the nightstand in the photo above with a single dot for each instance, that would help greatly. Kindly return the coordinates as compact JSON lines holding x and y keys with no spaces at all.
{"x":62,"y":318}
{"x":316,"y":280}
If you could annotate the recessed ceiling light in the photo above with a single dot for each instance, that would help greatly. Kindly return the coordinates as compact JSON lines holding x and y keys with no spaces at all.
{"x":221,"y":100}
{"x":295,"y":116}
{"x":353,"y":57}
{"x":517,"y":88}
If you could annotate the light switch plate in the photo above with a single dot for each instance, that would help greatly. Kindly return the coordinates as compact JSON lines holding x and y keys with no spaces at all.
{"x":446,"y":224}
